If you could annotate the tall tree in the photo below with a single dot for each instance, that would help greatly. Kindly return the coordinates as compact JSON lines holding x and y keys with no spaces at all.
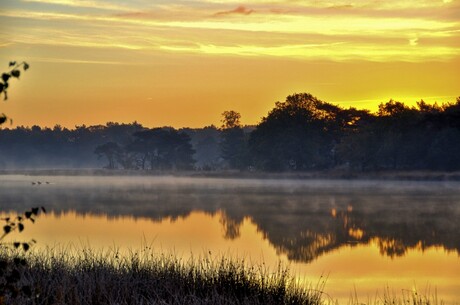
{"x":111,"y":151}
{"x":206,"y":142}
{"x":230,"y":119}
{"x":233,"y":142}
{"x":163,"y":148}
{"x":297,"y":134}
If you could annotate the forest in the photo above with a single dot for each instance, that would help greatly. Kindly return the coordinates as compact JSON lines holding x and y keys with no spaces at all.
{"x":302,"y":133}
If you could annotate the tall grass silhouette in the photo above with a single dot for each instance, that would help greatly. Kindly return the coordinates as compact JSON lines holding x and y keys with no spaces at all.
{"x":85,"y":276}
{"x":65,"y":276}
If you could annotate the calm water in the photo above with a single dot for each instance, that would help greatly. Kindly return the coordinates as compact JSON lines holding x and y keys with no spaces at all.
{"x":363,"y":235}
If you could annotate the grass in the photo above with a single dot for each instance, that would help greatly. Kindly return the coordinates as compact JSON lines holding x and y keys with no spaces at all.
{"x":63,"y":276}
{"x":86,"y":277}
{"x":408,"y":297}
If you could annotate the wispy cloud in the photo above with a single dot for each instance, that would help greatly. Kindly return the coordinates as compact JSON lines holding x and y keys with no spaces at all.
{"x":388,"y":4}
{"x":83,"y":4}
{"x":366,"y":30}
{"x":340,"y":51}
{"x":341,"y":7}
{"x":74,"y":61}
{"x":240,"y":10}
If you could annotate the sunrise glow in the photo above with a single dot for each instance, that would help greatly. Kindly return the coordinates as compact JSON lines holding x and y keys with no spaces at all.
{"x":182,"y":63}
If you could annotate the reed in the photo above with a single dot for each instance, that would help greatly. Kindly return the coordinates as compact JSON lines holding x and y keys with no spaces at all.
{"x":84,"y":276}
{"x":405,"y":297}
{"x":88,"y":277}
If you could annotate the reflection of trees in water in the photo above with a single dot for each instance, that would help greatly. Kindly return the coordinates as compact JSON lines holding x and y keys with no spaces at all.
{"x":303,"y":224}
{"x":395,"y":224}
{"x":231,"y":226}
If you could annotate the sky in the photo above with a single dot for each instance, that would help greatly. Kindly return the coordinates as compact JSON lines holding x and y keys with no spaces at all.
{"x":181,"y":63}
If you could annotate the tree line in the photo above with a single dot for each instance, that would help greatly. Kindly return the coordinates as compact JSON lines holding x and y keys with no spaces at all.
{"x":305,"y":133}
{"x":300,"y":134}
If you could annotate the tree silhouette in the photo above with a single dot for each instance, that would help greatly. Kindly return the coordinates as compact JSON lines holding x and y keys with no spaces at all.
{"x":298,"y":134}
{"x":111,"y":151}
{"x":163,"y":149}
{"x":233,"y":143}
{"x":304,"y":133}
{"x":230,"y":119}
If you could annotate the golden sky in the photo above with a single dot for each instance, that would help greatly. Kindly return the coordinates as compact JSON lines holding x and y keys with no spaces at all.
{"x":183,"y":62}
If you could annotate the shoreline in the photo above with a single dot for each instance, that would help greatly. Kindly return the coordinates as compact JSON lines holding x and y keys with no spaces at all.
{"x":234,"y":174}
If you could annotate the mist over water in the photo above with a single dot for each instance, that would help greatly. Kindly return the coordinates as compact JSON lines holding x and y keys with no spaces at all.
{"x":306,"y":222}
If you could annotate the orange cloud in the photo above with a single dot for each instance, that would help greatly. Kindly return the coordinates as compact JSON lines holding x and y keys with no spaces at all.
{"x":240,"y":10}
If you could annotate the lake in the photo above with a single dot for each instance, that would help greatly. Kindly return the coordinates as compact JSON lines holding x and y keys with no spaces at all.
{"x":363,"y":237}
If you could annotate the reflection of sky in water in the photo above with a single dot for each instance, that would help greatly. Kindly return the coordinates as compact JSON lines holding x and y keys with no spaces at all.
{"x":364,"y":234}
{"x":349,"y":266}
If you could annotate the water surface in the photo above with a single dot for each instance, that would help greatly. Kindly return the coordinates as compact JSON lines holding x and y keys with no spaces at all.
{"x":363,"y":235}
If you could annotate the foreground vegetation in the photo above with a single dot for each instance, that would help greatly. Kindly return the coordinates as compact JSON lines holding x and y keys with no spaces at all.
{"x":86,"y":277}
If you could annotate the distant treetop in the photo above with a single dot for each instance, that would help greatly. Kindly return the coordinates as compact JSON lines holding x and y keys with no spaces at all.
{"x":230,"y":119}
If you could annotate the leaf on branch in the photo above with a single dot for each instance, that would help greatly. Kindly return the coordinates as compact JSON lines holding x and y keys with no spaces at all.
{"x":43,"y":210}
{"x":16,"y":244}
{"x":7,"y":229}
{"x":12,"y":63}
{"x":5,"y":77}
{"x":1,"y":87}
{"x":20,"y":227}
{"x":26,"y":66}
{"x":28,"y":214}
{"x":35,"y":211}
{"x":3,"y":119}
{"x":25,"y":246}
{"x":15,"y":73}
